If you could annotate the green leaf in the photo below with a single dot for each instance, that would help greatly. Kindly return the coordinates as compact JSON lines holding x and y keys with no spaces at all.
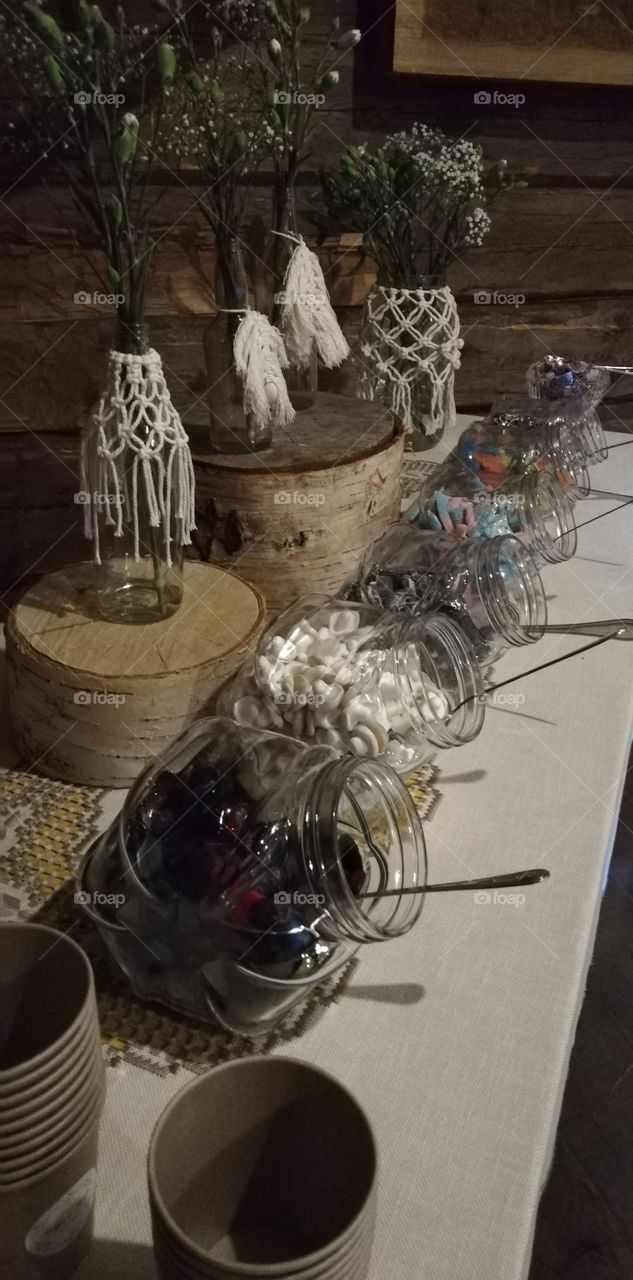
{"x":217,"y":94}
{"x":104,"y":36}
{"x":115,"y":211}
{"x":113,"y":275}
{"x":45,"y":25}
{"x":167,"y":62}
{"x":126,"y":140}
{"x":196,"y":84}
{"x":54,"y":73}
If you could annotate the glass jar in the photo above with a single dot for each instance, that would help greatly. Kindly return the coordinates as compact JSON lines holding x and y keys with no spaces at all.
{"x":522,"y":435}
{"x":301,"y":381}
{"x":490,"y":586}
{"x":409,"y":344}
{"x":140,"y":575}
{"x":535,"y":508}
{"x":231,"y":430}
{"x":246,"y":867}
{"x":581,"y":386}
{"x":356,"y":678}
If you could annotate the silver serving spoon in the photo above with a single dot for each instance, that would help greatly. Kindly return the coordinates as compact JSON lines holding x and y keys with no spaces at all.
{"x":606,"y":493}
{"x":509,"y":880}
{"x":617,"y":628}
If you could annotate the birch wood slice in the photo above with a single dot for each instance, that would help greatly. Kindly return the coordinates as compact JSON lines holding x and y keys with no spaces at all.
{"x":92,"y":701}
{"x":300,"y":515}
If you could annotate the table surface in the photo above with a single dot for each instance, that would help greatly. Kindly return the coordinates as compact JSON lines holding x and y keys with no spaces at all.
{"x":457,"y":1037}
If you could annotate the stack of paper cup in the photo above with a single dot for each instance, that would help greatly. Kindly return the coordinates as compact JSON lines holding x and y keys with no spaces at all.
{"x":52,"y":1087}
{"x":263,"y":1168}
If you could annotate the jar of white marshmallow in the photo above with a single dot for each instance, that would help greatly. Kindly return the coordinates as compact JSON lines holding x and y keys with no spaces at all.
{"x":362,"y":680}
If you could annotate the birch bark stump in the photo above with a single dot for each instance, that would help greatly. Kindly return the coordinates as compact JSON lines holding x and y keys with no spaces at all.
{"x":297,"y":518}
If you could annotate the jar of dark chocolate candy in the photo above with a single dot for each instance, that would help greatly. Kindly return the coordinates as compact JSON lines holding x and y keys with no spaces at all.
{"x":580,"y":386}
{"x":246,"y":867}
{"x":533,"y":506}
{"x":490,"y":586}
{"x":351,"y":676}
{"x":522,"y":437}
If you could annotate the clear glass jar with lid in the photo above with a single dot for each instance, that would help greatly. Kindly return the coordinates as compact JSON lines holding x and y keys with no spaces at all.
{"x":580,"y":386}
{"x":533,"y":506}
{"x":246,"y":866}
{"x":490,"y":586}
{"x":518,"y":437}
{"x":356,"y":678}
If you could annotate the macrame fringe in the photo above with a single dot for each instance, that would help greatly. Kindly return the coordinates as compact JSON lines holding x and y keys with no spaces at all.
{"x":136,"y":438}
{"x":260,"y":358}
{"x":407,"y":335}
{"x":307,"y":318}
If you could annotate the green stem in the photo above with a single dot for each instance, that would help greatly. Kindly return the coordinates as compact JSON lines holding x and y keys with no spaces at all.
{"x":160,"y":571}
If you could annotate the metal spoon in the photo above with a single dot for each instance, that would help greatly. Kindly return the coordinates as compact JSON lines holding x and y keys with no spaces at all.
{"x":510,"y":879}
{"x":617,"y":628}
{"x":606,"y":493}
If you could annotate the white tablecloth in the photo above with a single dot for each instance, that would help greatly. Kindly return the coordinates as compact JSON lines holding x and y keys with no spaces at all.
{"x":457,"y":1038}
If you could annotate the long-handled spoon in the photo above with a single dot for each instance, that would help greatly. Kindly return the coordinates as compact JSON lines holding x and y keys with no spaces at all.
{"x":616,"y":628}
{"x":509,"y":880}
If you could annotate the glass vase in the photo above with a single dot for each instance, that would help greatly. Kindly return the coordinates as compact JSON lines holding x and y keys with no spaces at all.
{"x":409,"y":350}
{"x":301,"y":381}
{"x":140,"y":574}
{"x":231,"y":430}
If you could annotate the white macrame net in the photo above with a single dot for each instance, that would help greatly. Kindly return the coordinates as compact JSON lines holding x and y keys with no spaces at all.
{"x":260,"y":358}
{"x":408,"y":335}
{"x":136,"y":438}
{"x":307,"y":318}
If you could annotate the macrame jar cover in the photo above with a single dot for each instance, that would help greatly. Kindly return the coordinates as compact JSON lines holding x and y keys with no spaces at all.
{"x":410,"y":336}
{"x":135,"y":415}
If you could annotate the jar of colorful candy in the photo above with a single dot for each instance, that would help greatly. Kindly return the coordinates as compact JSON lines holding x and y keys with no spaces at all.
{"x":490,"y":586}
{"x":534,"y":436}
{"x":535,"y":508}
{"x":246,"y":866}
{"x":353,"y":677}
{"x":581,"y":386}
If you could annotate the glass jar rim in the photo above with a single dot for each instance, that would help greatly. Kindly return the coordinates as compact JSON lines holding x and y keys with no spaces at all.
{"x":492,"y":588}
{"x":321,"y":852}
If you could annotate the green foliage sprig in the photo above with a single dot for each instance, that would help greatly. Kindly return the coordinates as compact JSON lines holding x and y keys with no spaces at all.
{"x":418,"y":201}
{"x":102,"y":86}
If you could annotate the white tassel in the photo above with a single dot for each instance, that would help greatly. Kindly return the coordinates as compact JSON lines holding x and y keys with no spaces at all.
{"x":260,"y":357}
{"x":307,"y":318}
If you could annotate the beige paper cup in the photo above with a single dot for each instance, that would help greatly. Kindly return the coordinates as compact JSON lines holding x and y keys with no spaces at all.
{"x":51,"y":1073}
{"x":263,"y":1168}
{"x":46,"y":989}
{"x":46,"y":1222}
{"x":45,"y":1133}
{"x":179,"y":1263}
{"x":57,"y":1099}
{"x":46,"y":1154}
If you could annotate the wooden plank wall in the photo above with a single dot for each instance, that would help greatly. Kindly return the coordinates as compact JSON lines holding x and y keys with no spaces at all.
{"x":565,"y":243}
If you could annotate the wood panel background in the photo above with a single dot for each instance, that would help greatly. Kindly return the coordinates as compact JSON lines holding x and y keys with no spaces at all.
{"x":564,"y":244}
